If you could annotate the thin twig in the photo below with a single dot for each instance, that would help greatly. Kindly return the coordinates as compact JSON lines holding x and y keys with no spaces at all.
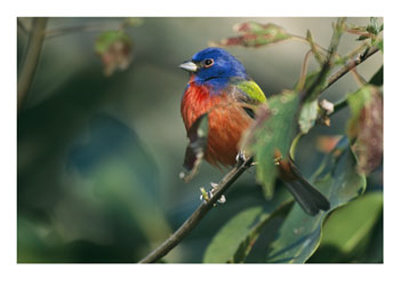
{"x":355,"y":51}
{"x":350,"y":65}
{"x":303,"y":39}
{"x":315,"y":87}
{"x":31,"y":58}
{"x":357,"y":77}
{"x":198,"y":214}
{"x":232,"y":176}
{"x":303,"y":72}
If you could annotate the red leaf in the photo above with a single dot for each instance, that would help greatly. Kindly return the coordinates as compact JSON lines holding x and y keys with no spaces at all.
{"x":252,"y":34}
{"x":366,"y":127}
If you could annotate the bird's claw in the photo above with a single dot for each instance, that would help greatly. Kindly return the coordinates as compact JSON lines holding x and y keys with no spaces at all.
{"x":240,"y":157}
{"x":222,"y":199}
{"x":205,"y":196}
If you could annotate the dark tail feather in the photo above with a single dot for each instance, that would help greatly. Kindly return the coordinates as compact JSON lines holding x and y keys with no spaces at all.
{"x":310,"y":199}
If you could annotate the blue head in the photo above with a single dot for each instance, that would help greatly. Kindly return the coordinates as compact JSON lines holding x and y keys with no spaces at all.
{"x":214,"y":67}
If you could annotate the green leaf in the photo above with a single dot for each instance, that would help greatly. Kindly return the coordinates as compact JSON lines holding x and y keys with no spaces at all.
{"x":300,"y":234}
{"x":272,"y":133}
{"x":379,"y":44}
{"x":349,"y":226}
{"x":225,"y":244}
{"x":373,"y":27}
{"x":235,"y":239}
{"x":308,"y":116}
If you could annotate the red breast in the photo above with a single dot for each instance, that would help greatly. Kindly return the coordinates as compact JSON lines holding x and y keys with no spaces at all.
{"x":227,"y":121}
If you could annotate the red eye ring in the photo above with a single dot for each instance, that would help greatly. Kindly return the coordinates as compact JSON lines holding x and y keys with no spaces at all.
{"x":208,"y":63}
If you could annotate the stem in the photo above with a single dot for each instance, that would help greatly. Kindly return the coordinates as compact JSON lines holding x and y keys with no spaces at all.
{"x":303,"y":39}
{"x":303,"y":73}
{"x":358,"y":78}
{"x":347,"y":68}
{"x":31,"y":58}
{"x":350,"y":65}
{"x":316,"y":87}
{"x":198,"y":214}
{"x":236,"y":172}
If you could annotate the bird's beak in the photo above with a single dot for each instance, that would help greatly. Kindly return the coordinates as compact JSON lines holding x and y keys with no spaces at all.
{"x":189,"y":66}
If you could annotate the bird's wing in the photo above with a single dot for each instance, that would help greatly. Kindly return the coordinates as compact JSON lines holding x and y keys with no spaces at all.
{"x":249,"y":92}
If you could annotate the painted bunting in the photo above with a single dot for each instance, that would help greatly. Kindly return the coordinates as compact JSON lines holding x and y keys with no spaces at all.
{"x":220,"y":86}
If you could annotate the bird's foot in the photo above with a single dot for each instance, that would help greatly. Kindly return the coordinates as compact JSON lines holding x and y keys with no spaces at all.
{"x":222,"y":199}
{"x":241,"y":157}
{"x":205,"y":196}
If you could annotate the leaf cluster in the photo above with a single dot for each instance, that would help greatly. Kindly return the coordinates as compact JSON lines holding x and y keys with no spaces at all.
{"x":341,"y":175}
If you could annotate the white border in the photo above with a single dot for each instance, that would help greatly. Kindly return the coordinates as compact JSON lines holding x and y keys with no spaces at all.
{"x":196,"y":282}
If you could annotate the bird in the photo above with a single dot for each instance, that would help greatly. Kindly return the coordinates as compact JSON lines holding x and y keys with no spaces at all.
{"x":220,"y":86}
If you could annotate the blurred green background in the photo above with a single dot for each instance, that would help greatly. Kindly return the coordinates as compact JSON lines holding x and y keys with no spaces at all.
{"x":99,"y":157}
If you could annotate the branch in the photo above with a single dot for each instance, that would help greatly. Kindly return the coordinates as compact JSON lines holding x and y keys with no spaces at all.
{"x":303,"y":72}
{"x":198,"y":214}
{"x":340,"y":73}
{"x":233,"y":175}
{"x":31,"y":58}
{"x":316,"y":87}
{"x":350,"y":65}
{"x":303,"y":39}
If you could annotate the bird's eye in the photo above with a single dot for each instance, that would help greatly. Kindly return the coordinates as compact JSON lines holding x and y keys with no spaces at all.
{"x":208,"y":63}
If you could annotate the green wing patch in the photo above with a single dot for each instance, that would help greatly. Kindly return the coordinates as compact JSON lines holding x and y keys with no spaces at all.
{"x":252,"y":92}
